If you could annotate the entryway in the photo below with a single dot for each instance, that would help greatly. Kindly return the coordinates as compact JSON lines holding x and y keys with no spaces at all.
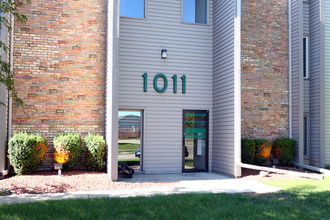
{"x":195,"y":140}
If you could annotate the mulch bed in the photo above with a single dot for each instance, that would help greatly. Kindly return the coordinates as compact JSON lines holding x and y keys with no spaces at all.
{"x":70,"y":181}
{"x":255,"y":174}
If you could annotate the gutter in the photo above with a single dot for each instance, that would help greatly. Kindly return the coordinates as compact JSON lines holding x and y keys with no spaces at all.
{"x":275,"y":170}
{"x":325,"y":172}
{"x":290,"y":68}
{"x":10,"y":100}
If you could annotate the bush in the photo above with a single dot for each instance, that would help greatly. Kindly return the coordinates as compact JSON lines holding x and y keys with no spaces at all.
{"x":248,"y":150}
{"x":263,"y":149}
{"x":26,"y":152}
{"x":95,"y":146}
{"x":67,"y":149}
{"x":284,"y":149}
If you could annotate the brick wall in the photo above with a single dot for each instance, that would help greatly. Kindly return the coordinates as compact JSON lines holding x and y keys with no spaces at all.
{"x":59,"y":61}
{"x":265,"y":69}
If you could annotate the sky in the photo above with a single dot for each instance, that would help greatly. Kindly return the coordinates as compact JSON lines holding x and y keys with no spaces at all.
{"x":132,"y":8}
{"x":123,"y":113}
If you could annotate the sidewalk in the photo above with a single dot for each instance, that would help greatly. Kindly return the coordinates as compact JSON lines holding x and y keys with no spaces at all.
{"x":185,"y":183}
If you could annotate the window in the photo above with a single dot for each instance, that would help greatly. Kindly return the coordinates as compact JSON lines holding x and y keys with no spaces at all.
{"x":306,"y":56}
{"x":306,"y":136}
{"x":132,"y":8}
{"x":195,"y":11}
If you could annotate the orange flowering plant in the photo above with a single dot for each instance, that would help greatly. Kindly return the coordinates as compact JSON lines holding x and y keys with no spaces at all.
{"x":263,"y":150}
{"x":67,"y":149}
{"x":26,"y":152}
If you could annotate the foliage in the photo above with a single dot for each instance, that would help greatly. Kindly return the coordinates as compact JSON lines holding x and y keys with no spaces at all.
{"x":129,"y":162}
{"x":284,"y":149}
{"x":10,"y":8}
{"x":67,"y":149}
{"x":263,"y":149}
{"x":248,"y":150}
{"x":95,"y":146}
{"x":26,"y":152}
{"x":128,"y":148}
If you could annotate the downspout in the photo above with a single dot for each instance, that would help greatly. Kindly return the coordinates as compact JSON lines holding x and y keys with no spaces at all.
{"x":325,"y":172}
{"x":10,"y":100}
{"x":275,"y":170}
{"x":290,"y":69}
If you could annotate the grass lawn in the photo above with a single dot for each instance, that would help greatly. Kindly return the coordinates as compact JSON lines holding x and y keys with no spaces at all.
{"x":129,"y":162}
{"x":189,"y":162}
{"x":128,"y":138}
{"x":301,"y":199}
{"x":130,"y":148}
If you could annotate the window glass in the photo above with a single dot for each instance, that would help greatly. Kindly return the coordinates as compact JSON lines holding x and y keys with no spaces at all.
{"x":132,"y":8}
{"x":195,"y":11}
{"x":306,"y":57}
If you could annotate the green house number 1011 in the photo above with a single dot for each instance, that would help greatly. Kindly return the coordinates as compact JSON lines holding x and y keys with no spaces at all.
{"x":162,"y":76}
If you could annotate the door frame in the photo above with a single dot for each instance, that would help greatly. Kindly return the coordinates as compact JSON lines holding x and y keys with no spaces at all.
{"x":206,"y":144}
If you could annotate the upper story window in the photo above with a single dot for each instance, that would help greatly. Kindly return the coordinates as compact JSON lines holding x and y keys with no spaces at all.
{"x":195,"y":11}
{"x":132,"y":8}
{"x":306,"y":56}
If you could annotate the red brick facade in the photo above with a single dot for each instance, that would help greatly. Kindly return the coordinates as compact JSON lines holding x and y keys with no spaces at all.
{"x":59,"y":61}
{"x":265,"y":94}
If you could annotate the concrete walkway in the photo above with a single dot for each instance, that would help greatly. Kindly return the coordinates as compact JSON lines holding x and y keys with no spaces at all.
{"x":185,"y":183}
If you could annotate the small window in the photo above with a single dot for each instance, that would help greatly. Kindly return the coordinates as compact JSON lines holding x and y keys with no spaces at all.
{"x":306,"y":57}
{"x":132,"y":8}
{"x":306,"y":136}
{"x":195,"y":11}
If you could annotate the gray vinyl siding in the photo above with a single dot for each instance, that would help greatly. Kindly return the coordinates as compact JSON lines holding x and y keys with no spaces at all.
{"x":190,"y":53}
{"x":297,"y":87}
{"x":306,"y":96}
{"x":327,"y":80}
{"x":223,"y":85}
{"x":306,"y":33}
{"x":306,"y":18}
{"x":315,"y":84}
{"x":3,"y":127}
{"x":3,"y":109}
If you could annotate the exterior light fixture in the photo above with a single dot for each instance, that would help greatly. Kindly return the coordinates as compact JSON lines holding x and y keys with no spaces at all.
{"x":163,"y":54}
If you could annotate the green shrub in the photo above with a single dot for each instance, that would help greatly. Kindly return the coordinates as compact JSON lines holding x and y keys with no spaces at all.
{"x":95,"y":146}
{"x":248,"y":150}
{"x":67,"y":149}
{"x":263,"y":149}
{"x":26,"y":152}
{"x":284,"y":149}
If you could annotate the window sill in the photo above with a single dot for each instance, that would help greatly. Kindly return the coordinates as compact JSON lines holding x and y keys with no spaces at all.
{"x":134,"y":18}
{"x":197,"y":24}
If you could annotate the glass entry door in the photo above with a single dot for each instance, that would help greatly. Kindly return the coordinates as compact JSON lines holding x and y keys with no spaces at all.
{"x":129,"y":138}
{"x":195,"y":140}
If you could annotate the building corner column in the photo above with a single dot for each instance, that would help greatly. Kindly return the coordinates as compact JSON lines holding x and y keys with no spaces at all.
{"x":111,"y":88}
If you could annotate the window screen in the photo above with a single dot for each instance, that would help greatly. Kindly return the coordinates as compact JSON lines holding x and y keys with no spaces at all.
{"x":195,"y":11}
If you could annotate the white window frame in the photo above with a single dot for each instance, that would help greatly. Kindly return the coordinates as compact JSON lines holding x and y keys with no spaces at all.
{"x":207,"y":15}
{"x":306,"y":55}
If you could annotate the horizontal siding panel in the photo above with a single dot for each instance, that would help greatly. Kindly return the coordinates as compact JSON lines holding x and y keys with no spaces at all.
{"x":327,"y":81}
{"x":223,"y":84}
